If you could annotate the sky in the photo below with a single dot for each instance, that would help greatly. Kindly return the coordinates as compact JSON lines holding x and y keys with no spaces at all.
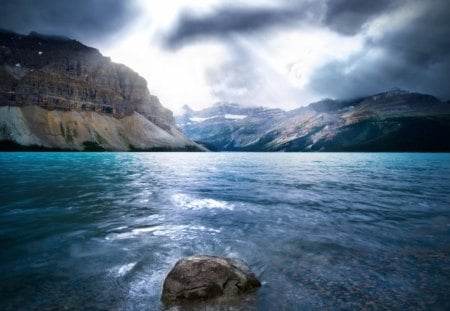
{"x":275,"y":53}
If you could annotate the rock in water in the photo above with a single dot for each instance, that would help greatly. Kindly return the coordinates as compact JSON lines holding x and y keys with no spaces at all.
{"x":204,"y":277}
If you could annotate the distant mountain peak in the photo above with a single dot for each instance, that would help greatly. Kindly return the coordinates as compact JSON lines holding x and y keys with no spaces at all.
{"x":187,"y":109}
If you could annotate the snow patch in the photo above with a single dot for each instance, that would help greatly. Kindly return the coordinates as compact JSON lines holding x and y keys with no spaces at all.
{"x":198,"y":119}
{"x":227,"y":116}
{"x":235,"y":116}
{"x":18,"y":72}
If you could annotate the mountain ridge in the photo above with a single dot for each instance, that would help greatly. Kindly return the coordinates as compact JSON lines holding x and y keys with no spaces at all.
{"x":395,"y":120}
{"x":57,"y":93}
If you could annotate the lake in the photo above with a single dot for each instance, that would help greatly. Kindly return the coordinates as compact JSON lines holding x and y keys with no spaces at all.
{"x":322,"y":231}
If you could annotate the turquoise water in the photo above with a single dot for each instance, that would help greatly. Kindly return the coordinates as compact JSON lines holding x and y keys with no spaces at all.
{"x":321,"y":230}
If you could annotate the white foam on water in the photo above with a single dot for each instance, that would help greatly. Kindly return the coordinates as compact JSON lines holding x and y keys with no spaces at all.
{"x":122,"y":270}
{"x":189,"y":202}
{"x":172,"y":231}
{"x":143,"y":287}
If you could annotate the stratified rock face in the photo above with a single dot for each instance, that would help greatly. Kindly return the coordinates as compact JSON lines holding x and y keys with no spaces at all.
{"x":75,"y":84}
{"x":203,"y":277}
{"x":392,"y":121}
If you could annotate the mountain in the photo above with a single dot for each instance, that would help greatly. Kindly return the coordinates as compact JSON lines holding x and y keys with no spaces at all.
{"x":226,"y":126}
{"x":391,"y":121}
{"x":56,"y":93}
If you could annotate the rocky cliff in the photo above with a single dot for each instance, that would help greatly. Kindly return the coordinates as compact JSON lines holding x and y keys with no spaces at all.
{"x":391,"y":121}
{"x":58,"y":93}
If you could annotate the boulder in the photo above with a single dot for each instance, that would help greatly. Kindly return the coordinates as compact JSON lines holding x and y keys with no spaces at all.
{"x":202,"y":277}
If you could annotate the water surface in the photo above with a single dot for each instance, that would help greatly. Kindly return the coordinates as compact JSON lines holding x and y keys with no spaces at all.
{"x":321,"y":230}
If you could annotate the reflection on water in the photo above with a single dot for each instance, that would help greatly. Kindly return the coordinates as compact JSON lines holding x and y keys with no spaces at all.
{"x":322,"y":231}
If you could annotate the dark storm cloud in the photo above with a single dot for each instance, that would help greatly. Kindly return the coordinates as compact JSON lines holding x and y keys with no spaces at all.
{"x":235,"y":20}
{"x":344,"y":16}
{"x":414,"y":57}
{"x":80,"y":19}
{"x":348,"y":16}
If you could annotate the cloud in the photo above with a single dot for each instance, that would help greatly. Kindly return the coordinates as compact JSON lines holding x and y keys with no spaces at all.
{"x":237,"y":78}
{"x":86,"y":20}
{"x":343,"y":16}
{"x":406,"y":45}
{"x":348,"y":16}
{"x":407,"y":49}
{"x":226,"y":21}
{"x":246,"y":78}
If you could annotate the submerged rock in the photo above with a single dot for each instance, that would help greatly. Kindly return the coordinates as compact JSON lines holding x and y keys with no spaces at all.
{"x":202,"y":277}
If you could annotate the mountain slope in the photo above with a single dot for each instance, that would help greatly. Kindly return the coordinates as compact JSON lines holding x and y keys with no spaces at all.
{"x":391,"y":121}
{"x":60,"y":94}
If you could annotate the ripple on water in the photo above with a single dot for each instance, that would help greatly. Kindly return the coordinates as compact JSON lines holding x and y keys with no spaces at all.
{"x":322,"y":231}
